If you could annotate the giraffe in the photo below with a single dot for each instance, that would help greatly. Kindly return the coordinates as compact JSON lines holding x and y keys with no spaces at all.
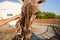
{"x":29,"y":9}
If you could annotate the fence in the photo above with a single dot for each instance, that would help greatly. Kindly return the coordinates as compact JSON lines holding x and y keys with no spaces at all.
{"x":55,"y":22}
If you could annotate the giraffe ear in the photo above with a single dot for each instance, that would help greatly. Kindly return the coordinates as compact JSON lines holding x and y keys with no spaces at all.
{"x":21,"y":1}
{"x":40,"y":2}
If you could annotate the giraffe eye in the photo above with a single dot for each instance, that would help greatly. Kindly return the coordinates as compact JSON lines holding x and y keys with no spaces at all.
{"x":41,"y":1}
{"x":23,"y":0}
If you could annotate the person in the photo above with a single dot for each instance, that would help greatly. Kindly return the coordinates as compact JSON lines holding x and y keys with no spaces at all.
{"x":10,"y":12}
{"x":4,"y":21}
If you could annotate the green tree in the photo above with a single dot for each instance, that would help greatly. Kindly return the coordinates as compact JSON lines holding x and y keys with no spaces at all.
{"x":45,"y":15}
{"x":38,"y":15}
{"x":50,"y":15}
{"x":58,"y":16}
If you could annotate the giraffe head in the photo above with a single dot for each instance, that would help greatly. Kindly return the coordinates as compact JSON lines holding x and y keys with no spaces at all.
{"x":39,"y":2}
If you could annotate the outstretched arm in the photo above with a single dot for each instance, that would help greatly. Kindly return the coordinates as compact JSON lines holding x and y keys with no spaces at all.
{"x":4,"y":21}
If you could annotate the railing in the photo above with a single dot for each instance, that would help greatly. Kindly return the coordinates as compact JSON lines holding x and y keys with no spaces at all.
{"x":55,"y":22}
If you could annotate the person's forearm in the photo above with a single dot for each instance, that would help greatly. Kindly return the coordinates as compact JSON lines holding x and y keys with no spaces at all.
{"x":4,"y":21}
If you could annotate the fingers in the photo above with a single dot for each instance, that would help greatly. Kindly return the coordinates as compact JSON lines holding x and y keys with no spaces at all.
{"x":18,"y":16}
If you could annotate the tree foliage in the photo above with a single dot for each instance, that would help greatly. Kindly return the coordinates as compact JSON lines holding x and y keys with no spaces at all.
{"x":58,"y":16}
{"x":45,"y":15}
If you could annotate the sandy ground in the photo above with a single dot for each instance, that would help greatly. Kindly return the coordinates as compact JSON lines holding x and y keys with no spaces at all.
{"x":8,"y":33}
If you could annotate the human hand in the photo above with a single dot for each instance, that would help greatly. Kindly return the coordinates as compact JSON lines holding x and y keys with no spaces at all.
{"x":17,"y":17}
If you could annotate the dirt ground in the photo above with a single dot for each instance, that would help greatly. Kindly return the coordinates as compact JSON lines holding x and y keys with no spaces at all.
{"x":7,"y":33}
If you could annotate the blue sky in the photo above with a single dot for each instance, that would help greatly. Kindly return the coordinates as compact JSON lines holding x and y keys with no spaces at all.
{"x":51,"y":6}
{"x":48,"y":6}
